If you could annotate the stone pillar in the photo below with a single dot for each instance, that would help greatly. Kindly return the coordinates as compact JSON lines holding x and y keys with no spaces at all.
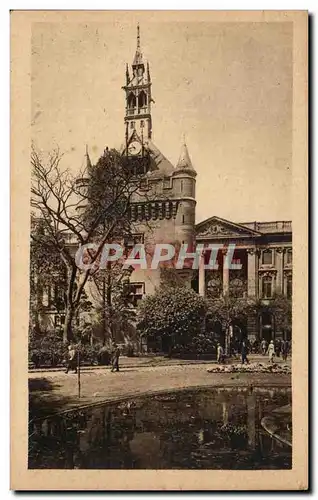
{"x":260,"y":327}
{"x":280,"y":270}
{"x":274,"y":332}
{"x":46,"y":296}
{"x":201,"y":276}
{"x":226,"y":273}
{"x":251,"y":272}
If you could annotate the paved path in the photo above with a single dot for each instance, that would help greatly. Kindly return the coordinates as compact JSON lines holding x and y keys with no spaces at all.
{"x":152,"y":361}
{"x":56,"y":391}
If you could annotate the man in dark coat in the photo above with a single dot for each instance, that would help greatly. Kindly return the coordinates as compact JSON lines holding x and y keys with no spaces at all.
{"x":115,"y":361}
{"x":244,"y":352}
{"x":283,"y":347}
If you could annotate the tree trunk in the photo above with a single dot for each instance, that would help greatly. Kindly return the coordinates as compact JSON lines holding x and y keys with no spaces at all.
{"x":104,"y":310}
{"x":109,"y":302}
{"x":68,"y":332}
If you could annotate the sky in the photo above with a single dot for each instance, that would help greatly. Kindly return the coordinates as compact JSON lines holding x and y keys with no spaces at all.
{"x":226,"y":87}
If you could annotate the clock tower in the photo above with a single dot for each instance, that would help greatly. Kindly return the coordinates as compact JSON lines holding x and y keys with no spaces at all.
{"x":138,"y":123}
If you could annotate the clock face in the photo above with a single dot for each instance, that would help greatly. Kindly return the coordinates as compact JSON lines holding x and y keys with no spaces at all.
{"x":134,"y":148}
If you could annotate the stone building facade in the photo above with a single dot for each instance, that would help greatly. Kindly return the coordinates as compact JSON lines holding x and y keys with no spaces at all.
{"x":264,"y":251}
{"x":263,"y":248}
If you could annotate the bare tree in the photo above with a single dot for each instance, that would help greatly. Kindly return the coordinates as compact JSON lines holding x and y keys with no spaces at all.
{"x":112,"y":295}
{"x":75,"y":210}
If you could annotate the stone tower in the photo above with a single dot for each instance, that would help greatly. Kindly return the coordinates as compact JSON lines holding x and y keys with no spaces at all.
{"x":165,"y":211}
{"x":184,"y":183}
{"x":138,"y":96}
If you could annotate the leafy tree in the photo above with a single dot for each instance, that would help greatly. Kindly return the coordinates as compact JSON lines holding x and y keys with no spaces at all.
{"x":176,"y":312}
{"x":47,"y":270}
{"x":75,"y":210}
{"x":113,"y":307}
{"x":228,"y":309}
{"x":281,"y":308}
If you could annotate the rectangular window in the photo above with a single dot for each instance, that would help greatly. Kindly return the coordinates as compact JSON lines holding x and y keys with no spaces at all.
{"x":267,"y":257}
{"x":267,"y":287}
{"x":59,"y":320}
{"x":289,"y":257}
{"x":136,"y":292}
{"x":133,"y":239}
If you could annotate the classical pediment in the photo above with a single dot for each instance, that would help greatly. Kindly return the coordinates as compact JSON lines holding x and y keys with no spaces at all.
{"x":215,"y":227}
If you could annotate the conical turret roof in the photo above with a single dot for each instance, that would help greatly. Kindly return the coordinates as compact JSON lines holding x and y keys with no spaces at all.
{"x":87,"y":158}
{"x":184,"y":162}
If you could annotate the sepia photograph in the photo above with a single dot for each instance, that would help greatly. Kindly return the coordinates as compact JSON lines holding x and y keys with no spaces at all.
{"x":161,"y":324}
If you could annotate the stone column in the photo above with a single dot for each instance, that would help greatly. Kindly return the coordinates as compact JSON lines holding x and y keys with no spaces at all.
{"x":46,"y":296}
{"x":280,"y":270}
{"x":226,"y":274}
{"x":251,"y":272}
{"x":201,"y":276}
{"x":260,"y":326}
{"x":273,"y":327}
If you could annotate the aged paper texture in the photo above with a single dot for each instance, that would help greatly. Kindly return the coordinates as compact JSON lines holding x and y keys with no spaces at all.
{"x":189,"y":377}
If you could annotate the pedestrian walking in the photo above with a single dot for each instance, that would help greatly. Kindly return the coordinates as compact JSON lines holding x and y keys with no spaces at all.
{"x":115,"y":360}
{"x":277,"y":347}
{"x":271,"y":351}
{"x":71,"y":361}
{"x":284,"y":348}
{"x":288,"y":346}
{"x":220,"y":354}
{"x":263,"y":347}
{"x":244,"y":353}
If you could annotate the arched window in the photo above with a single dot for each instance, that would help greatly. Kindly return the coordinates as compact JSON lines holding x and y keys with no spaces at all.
{"x":131,"y":100}
{"x":142,"y":99}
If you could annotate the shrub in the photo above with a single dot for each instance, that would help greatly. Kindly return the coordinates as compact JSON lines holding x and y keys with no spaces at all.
{"x":176,"y":312}
{"x":89,"y":353}
{"x":47,"y":350}
{"x":201,"y":345}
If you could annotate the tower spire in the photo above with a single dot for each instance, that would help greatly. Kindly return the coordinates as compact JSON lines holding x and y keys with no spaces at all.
{"x":127,"y":75}
{"x":88,"y":160}
{"x":138,"y":95}
{"x":138,"y":56}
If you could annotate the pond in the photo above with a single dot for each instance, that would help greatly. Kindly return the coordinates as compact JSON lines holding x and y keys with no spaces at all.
{"x":245,"y":428}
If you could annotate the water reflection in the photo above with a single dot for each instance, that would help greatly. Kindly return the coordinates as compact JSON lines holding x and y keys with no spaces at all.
{"x":197,"y":429}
